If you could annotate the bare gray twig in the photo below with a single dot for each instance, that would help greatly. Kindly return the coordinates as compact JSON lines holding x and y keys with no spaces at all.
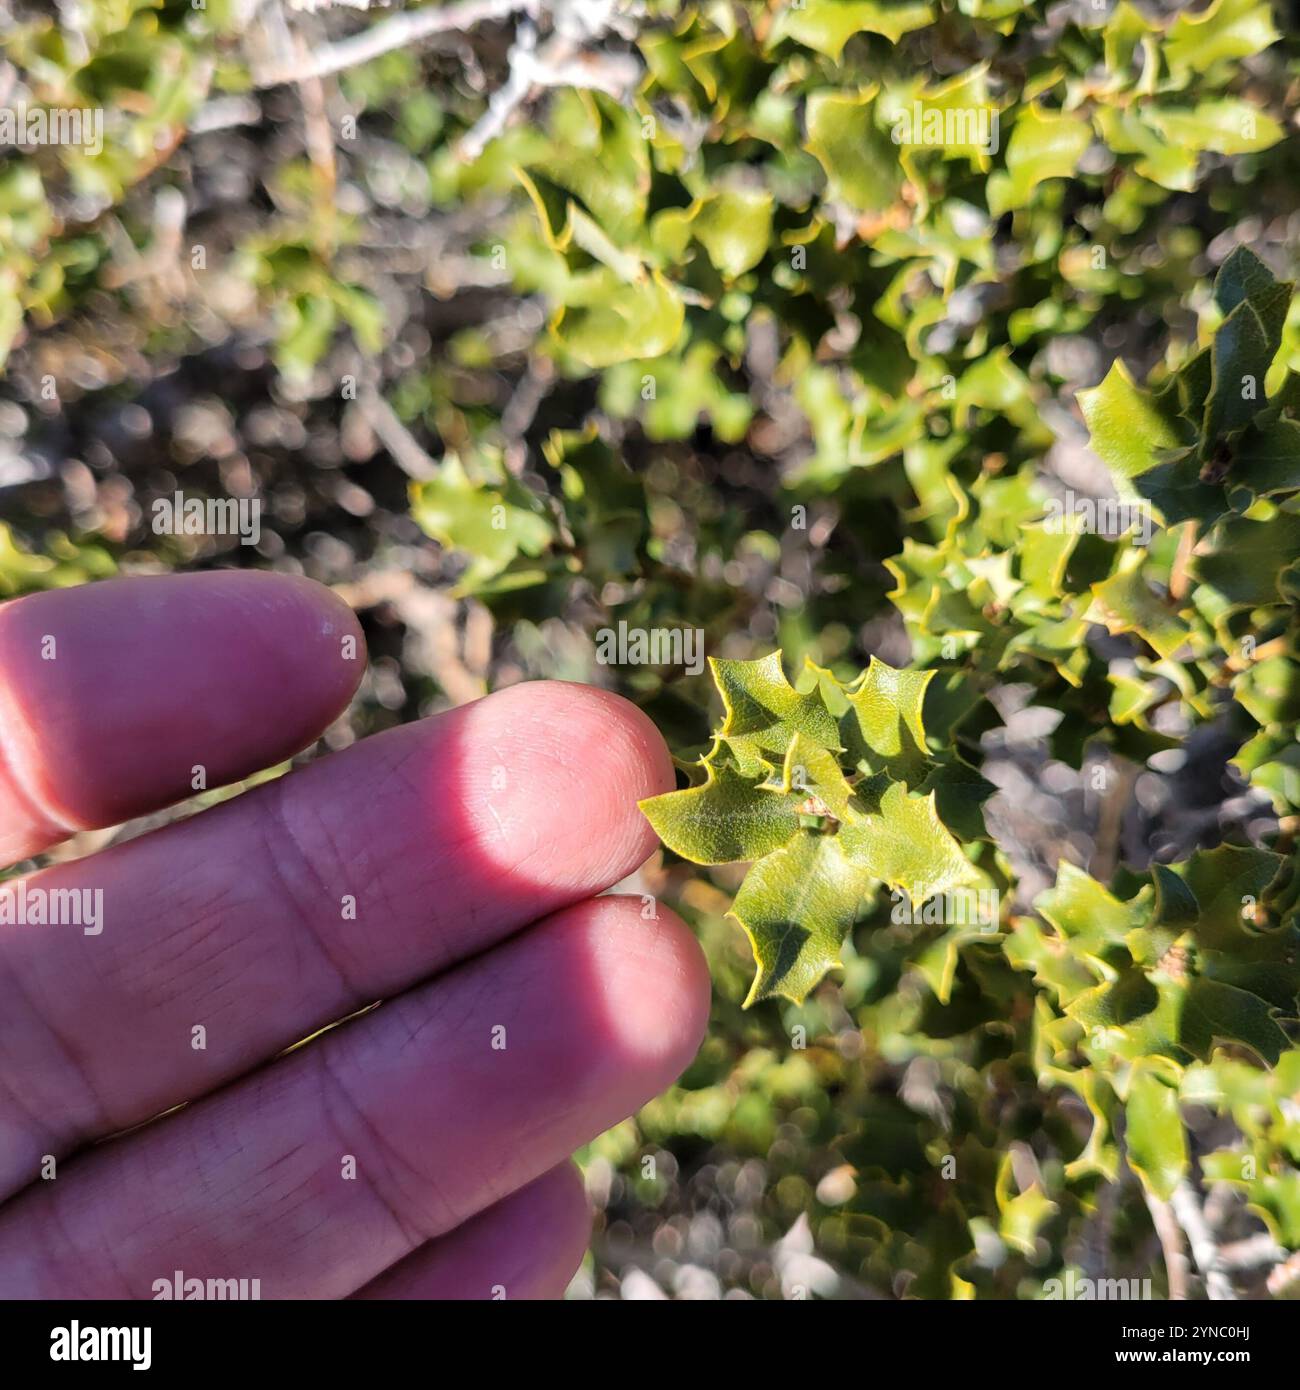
{"x":1205,"y":1250}
{"x":1252,"y":1252}
{"x":1178,"y":1267}
{"x":562,"y":61}
{"x":406,"y":451}
{"x":397,"y":31}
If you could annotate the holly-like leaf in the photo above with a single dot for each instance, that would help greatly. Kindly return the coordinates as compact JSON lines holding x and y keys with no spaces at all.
{"x":1054,"y":966}
{"x":1128,"y":430}
{"x":1244,"y":279}
{"x":886,"y":731}
{"x":797,"y":905}
{"x":1240,"y":356}
{"x":764,"y":712}
{"x":959,"y":795}
{"x":1225,"y":30}
{"x":821,"y":822}
{"x":1182,"y":971}
{"x":605,"y":319}
{"x":1126,"y":603}
{"x":1269,"y":691}
{"x":1276,"y":1196}
{"x":494,"y":524}
{"x":1243,"y":559}
{"x":734,"y":227}
{"x":860,"y":160}
{"x":1267,"y":458}
{"x":1175,"y":901}
{"x":900,"y":839}
{"x":1156,"y":1140}
{"x":729,"y":817}
{"x":1131,"y":1017}
{"x":1086,"y":913}
{"x":1021,"y":1216}
{"x":1213,"y":1012}
{"x":811,"y":772}
{"x":827,"y":25}
{"x":1160,"y":159}
{"x":1226,"y":126}
{"x":937,"y":963}
{"x":1043,"y":145}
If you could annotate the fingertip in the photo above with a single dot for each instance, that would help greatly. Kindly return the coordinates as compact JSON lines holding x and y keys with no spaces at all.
{"x":115,"y":693}
{"x":656,"y":984}
{"x":597,"y":722}
{"x":562,"y":1195}
{"x":636,"y":732}
{"x":275,"y":591}
{"x":314,"y":636}
{"x":551,"y":774}
{"x":525,"y":1247}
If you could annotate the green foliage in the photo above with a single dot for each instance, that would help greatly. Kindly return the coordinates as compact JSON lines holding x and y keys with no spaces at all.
{"x":1132,"y":990}
{"x":495,"y":524}
{"x":1214,"y":447}
{"x":825,"y":788}
{"x":62,"y":564}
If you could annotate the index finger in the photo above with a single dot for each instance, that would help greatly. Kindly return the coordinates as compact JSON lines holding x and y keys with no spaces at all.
{"x":119,"y":698}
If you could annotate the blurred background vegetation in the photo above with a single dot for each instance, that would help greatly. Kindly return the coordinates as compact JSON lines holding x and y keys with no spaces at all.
{"x":653,"y":283}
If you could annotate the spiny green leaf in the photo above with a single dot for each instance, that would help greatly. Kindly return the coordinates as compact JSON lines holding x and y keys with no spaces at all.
{"x":1127,"y":429}
{"x":728,"y":817}
{"x":959,"y":796}
{"x":797,"y":905}
{"x":1226,"y":29}
{"x":1240,"y":355}
{"x":1244,"y":279}
{"x":1137,"y":132}
{"x":1243,"y":559}
{"x":734,"y":227}
{"x":1132,"y":1016}
{"x":1086,"y":913}
{"x":886,"y":731}
{"x":604,"y":320}
{"x":494,"y":524}
{"x":1276,"y":1196}
{"x":1054,"y":965}
{"x":1226,"y":126}
{"x":1228,"y":883}
{"x":1182,"y":970}
{"x":1021,"y":1216}
{"x":860,"y":160}
{"x":899,"y":838}
{"x":806,"y":884}
{"x":1175,"y":901}
{"x":1126,"y":603}
{"x":810,"y":771}
{"x":1214,"y":1012}
{"x":764,"y":712}
{"x":1269,"y":691}
{"x":827,"y":25}
{"x":1267,"y":458}
{"x":1157,"y":1143}
{"x":1043,"y":145}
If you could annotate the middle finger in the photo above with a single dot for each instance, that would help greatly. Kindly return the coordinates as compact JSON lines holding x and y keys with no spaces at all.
{"x":336,"y":1162}
{"x":228,"y":937}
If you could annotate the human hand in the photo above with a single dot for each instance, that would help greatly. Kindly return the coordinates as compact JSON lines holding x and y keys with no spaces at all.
{"x":447,"y":867}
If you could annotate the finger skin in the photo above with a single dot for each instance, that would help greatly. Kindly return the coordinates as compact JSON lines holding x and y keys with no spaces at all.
{"x":441,"y":1111}
{"x":526,"y":1247}
{"x":112,"y":693}
{"x":294,"y":905}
